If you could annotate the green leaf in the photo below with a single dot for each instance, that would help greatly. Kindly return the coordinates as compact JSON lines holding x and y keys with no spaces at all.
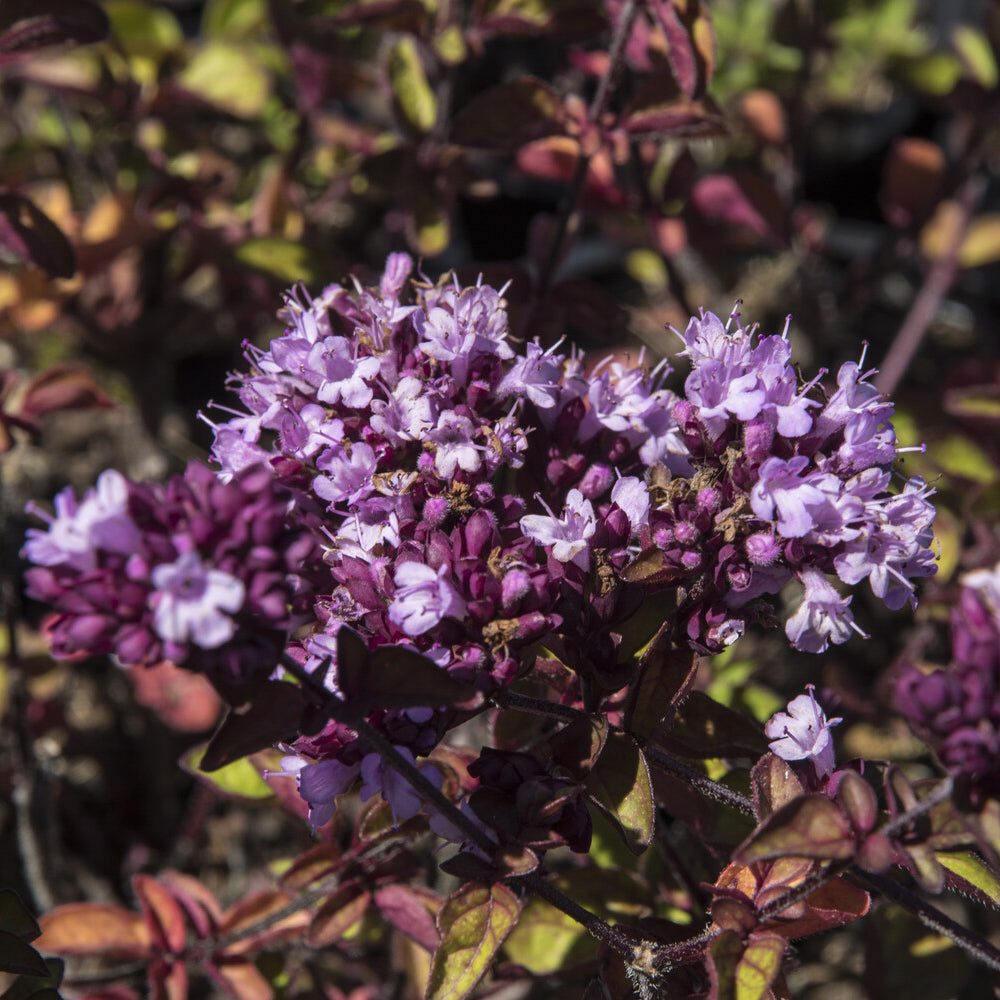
{"x":509,"y":115}
{"x":546,"y":940}
{"x":981,"y":245}
{"x":38,"y":987}
{"x":284,"y":259}
{"x":810,"y":826}
{"x":969,"y":874}
{"x":620,"y":785}
{"x":474,"y":922}
{"x":240,"y":778}
{"x":18,"y":956}
{"x":144,"y":30}
{"x":974,"y":49}
{"x":759,"y":966}
{"x":980,"y":402}
{"x":228,"y":76}
{"x":233,"y":18}
{"x":723,"y":958}
{"x":959,"y":456}
{"x":413,"y":94}
{"x":15,"y":917}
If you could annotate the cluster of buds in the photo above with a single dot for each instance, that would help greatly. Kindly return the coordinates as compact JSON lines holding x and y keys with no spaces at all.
{"x":420,"y":480}
{"x":956,"y":709}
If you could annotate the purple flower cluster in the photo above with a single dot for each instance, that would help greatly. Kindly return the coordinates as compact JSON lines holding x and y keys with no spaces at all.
{"x":784,"y":486}
{"x":204,"y":573}
{"x":957,"y":709}
{"x":471,"y":499}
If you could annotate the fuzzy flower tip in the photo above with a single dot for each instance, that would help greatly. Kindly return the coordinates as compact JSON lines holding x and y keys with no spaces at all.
{"x":803,"y":733}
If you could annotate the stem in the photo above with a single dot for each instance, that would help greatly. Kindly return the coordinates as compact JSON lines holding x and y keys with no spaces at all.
{"x":925,"y":306}
{"x":337,"y":710}
{"x":925,"y":805}
{"x":571,"y":199}
{"x":930,"y":916}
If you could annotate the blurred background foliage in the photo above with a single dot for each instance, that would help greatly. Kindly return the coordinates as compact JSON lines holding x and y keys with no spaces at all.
{"x":168,"y":169}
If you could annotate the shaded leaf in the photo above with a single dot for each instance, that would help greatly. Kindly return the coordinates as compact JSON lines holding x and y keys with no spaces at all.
{"x":510,"y":114}
{"x":619,"y":783}
{"x":340,"y":911}
{"x":393,"y":677}
{"x":680,"y":51}
{"x":318,"y":863}
{"x":256,"y":909}
{"x":980,"y":402}
{"x":834,"y":904}
{"x":807,"y":827}
{"x":473,"y":923}
{"x":94,"y":929}
{"x":17,"y":956}
{"x":975,"y":51}
{"x":759,"y":966}
{"x":412,"y":910}
{"x":272,"y":716}
{"x":699,"y":118}
{"x":15,"y":918}
{"x":32,"y":987}
{"x":665,"y":678}
{"x":26,"y":25}
{"x":411,"y":90}
{"x":27,"y":233}
{"x":227,"y":76}
{"x":703,"y":728}
{"x":577,"y":746}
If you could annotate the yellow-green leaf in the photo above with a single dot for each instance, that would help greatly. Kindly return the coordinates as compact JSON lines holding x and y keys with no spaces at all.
{"x":233,"y":18}
{"x":240,"y":778}
{"x":620,"y":784}
{"x":229,"y":77}
{"x":547,"y":940}
{"x":413,"y":93}
{"x":759,"y":966}
{"x":474,"y":922}
{"x":959,"y":456}
{"x":974,"y":49}
{"x":971,"y":875}
{"x":142,"y":29}
{"x":285,"y":259}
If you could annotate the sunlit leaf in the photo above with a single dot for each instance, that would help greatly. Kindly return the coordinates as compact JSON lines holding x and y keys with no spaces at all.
{"x":228,"y":76}
{"x":143,"y":29}
{"x":473,"y":923}
{"x":722,"y":959}
{"x":240,"y":778}
{"x":284,"y":259}
{"x":810,"y":826}
{"x":959,"y":456}
{"x":759,"y":966}
{"x":163,"y":913}
{"x":94,"y":929}
{"x":340,"y":912}
{"x":414,"y":95}
{"x":233,"y":18}
{"x":619,"y":783}
{"x":969,"y":874}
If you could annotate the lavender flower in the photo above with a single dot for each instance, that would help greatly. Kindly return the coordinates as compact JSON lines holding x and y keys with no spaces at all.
{"x":803,"y":733}
{"x":423,"y":597}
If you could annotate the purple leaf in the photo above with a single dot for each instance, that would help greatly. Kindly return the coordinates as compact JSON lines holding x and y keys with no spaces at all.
{"x":509,"y":115}
{"x":28,"y":233}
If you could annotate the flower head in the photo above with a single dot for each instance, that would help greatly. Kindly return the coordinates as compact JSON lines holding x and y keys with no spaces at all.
{"x":803,"y":733}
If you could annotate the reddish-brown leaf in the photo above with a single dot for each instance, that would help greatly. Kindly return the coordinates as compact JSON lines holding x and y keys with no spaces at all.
{"x":810,"y":826}
{"x":411,"y":909}
{"x":341,"y":910}
{"x":163,"y":913}
{"x":28,"y":233}
{"x":95,"y":929}
{"x":509,"y":115}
